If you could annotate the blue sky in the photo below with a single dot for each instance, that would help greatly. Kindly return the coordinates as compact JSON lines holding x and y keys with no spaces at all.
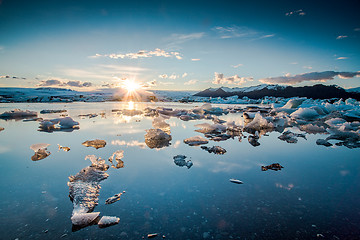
{"x":178,"y":45}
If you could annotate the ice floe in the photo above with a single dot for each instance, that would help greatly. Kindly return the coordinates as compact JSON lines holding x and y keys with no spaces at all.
{"x":114,"y":198}
{"x":214,"y":149}
{"x":195,"y":141}
{"x":107,"y":221}
{"x":157,"y":138}
{"x":115,"y":159}
{"x":274,"y":167}
{"x":18,"y":114}
{"x":235,"y":181}
{"x":65,"y":149}
{"x":59,"y":124}
{"x":291,"y":137}
{"x":180,"y":161}
{"x":97,"y":143}
{"x":47,"y":111}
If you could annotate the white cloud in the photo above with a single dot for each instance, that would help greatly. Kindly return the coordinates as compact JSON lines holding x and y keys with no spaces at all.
{"x":237,"y":65}
{"x":234,"y":32}
{"x":191,"y":82}
{"x":341,"y":37}
{"x":184,"y":75}
{"x":307,"y":67}
{"x":176,"y":39}
{"x":312,"y":76}
{"x":140,"y":54}
{"x":220,"y":79}
{"x":163,"y":76}
{"x":195,"y":59}
{"x":12,"y":77}
{"x":173,"y":76}
{"x":299,"y":12}
{"x":133,"y":143}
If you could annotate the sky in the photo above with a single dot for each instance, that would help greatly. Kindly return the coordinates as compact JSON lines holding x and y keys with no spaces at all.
{"x":178,"y":45}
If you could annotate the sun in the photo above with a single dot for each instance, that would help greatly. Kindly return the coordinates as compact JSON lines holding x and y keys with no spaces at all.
{"x":131,"y":86}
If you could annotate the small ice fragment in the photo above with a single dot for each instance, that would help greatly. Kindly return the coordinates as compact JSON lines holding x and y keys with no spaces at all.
{"x":215,"y":149}
{"x":51,"y":111}
{"x":116,"y":157}
{"x":114,"y":198}
{"x":180,"y":161}
{"x":152,"y":235}
{"x":291,"y":137}
{"x":236,"y":181}
{"x":66,"y":149}
{"x":274,"y":166}
{"x":196,"y":141}
{"x":107,"y":221}
{"x":1,"y":129}
{"x":84,"y":219}
{"x":95,"y":143}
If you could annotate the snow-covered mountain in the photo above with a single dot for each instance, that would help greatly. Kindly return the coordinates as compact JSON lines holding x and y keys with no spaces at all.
{"x":355,"y":90}
{"x":318,"y":91}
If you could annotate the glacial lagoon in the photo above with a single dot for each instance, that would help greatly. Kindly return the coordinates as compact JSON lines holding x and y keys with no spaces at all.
{"x":314,"y":195}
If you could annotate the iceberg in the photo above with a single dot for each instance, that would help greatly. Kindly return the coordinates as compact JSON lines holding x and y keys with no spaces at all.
{"x":291,"y":137}
{"x":58,"y":124}
{"x":305,"y":113}
{"x":259,"y":123}
{"x":114,"y":198}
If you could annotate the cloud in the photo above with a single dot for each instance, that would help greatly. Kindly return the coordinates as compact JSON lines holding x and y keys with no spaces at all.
{"x":163,"y":76}
{"x":191,"y":82}
{"x":173,"y":76}
{"x":342,"y":58}
{"x":184,"y":75}
{"x":70,"y":83}
{"x":12,"y":77}
{"x":237,"y":65}
{"x":140,"y":54}
{"x":299,"y":12}
{"x":195,"y":59}
{"x":234,"y":32}
{"x":312,"y":76}
{"x":177,"y":39}
{"x":133,"y":143}
{"x":220,"y":79}
{"x":341,"y":37}
{"x":307,"y":67}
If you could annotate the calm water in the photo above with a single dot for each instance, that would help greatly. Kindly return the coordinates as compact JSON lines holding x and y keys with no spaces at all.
{"x":317,"y":191}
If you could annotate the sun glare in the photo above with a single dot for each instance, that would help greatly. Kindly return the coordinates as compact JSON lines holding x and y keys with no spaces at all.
{"x":131,"y":86}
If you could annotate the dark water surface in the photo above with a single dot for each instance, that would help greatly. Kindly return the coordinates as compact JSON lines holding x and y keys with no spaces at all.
{"x":316,"y":195}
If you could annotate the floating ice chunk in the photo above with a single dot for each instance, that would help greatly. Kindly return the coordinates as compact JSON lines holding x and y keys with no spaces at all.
{"x":305,"y":113}
{"x":40,"y":151}
{"x":159,"y":123}
{"x":157,"y":138}
{"x":312,"y":128}
{"x":180,"y":161}
{"x":253,"y":140}
{"x":323,"y":142}
{"x":208,"y":128}
{"x":235,"y":181}
{"x":89,"y":115}
{"x":215,"y":149}
{"x":196,"y":141}
{"x":114,"y":198}
{"x":294,"y":103}
{"x":258,"y":123}
{"x":152,"y":235}
{"x":274,"y":166}
{"x":65,"y":149}
{"x":52,"y":111}
{"x":116,"y":157}
{"x":2,"y":129}
{"x":107,"y":221}
{"x":84,"y":190}
{"x":67,"y":122}
{"x":249,"y":115}
{"x":291,"y":137}
{"x":84,"y":219}
{"x":18,"y":114}
{"x":335,"y":122}
{"x":95,"y":143}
